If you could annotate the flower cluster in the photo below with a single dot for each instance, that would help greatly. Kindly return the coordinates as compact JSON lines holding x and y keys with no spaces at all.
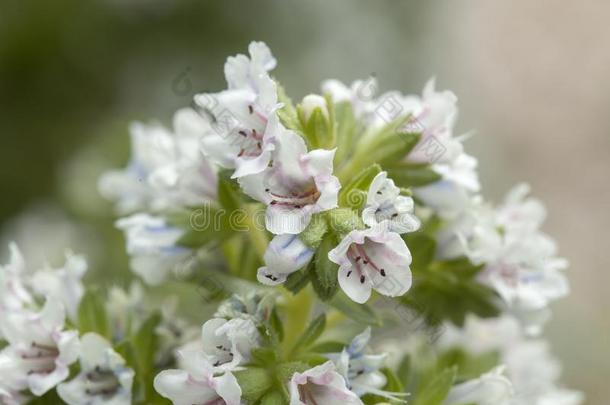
{"x":289,"y":255}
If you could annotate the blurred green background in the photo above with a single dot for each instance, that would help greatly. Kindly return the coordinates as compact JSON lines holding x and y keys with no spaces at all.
{"x":532,"y":81}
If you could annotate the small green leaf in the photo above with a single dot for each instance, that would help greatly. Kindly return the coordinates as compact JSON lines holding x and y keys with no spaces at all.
{"x":404,"y":371}
{"x":275,"y":324}
{"x":263,"y":356}
{"x":315,"y":231}
{"x":273,"y":398}
{"x":298,"y":280}
{"x":254,"y":382}
{"x":287,"y":113}
{"x":286,"y":370}
{"x":127,"y":352}
{"x":325,"y":282}
{"x":228,"y":193}
{"x":346,"y":130}
{"x":313,"y":331}
{"x":423,"y":249}
{"x":92,"y":314}
{"x":435,"y":391}
{"x":360,"y":313}
{"x":344,"y":220}
{"x":145,"y":344}
{"x":328,"y":347}
{"x":412,"y":175}
{"x":361,"y":181}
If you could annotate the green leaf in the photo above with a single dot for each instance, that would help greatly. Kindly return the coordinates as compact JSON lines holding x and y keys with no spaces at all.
{"x":361,"y":181}
{"x":412,"y":175}
{"x":344,"y":220}
{"x":396,"y":151}
{"x":328,"y":347}
{"x":314,"y":232}
{"x":469,"y":365}
{"x":286,"y":370}
{"x":389,"y":144}
{"x":264,"y":356}
{"x":228,"y":193}
{"x":92,"y":314}
{"x":346,"y":131}
{"x":127,"y":352}
{"x":435,"y":390}
{"x":325,"y":280}
{"x":313,"y":332}
{"x":145,"y":345}
{"x":361,"y":313}
{"x":273,"y":398}
{"x":275,"y":324}
{"x":146,"y":341}
{"x":287,"y":113}
{"x":254,"y":382}
{"x":404,"y":371}
{"x":298,"y":280}
{"x":423,"y":249}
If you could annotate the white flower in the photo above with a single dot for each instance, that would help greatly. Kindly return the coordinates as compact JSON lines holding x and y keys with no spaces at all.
{"x":361,"y":370}
{"x":387,"y":208}
{"x":520,"y":212}
{"x":11,"y":383}
{"x":19,"y":287}
{"x":521,"y":261}
{"x":298,"y":185}
{"x":531,"y":368}
{"x":166,"y":169}
{"x":151,"y":243}
{"x":227,"y":344}
{"x":197,"y":384}
{"x":372,"y":259}
{"x":253,"y":305}
{"x":40,"y":350}
{"x":480,"y":336}
{"x":243,"y":116}
{"x":173,"y":330}
{"x":284,"y":255}
{"x":64,"y":283}
{"x":562,"y":397}
{"x":492,"y":388}
{"x":451,"y":195}
{"x":360,"y":94}
{"x":321,"y":385}
{"x":125,"y":310}
{"x":223,"y":347}
{"x":103,"y":379}
{"x":13,"y":293}
{"x":433,"y":115}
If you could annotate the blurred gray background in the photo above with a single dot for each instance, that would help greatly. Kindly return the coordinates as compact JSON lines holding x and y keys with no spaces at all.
{"x":532,"y":79}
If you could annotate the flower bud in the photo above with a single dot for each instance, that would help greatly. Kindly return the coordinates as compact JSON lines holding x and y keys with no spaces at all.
{"x":310,"y":103}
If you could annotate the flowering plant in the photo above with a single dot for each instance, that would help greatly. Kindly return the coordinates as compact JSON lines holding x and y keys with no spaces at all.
{"x":341,"y":248}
